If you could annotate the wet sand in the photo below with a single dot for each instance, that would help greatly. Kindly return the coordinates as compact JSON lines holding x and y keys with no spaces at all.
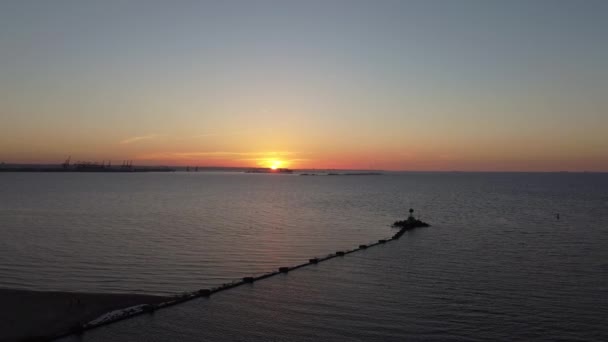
{"x":33,"y":315}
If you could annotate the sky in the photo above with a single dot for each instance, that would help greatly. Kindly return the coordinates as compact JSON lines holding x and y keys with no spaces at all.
{"x":395,"y":85}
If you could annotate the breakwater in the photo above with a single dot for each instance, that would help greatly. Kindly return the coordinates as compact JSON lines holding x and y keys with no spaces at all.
{"x":119,"y":315}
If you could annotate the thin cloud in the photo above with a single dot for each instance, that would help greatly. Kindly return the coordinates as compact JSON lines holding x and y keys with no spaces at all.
{"x":232,"y":154}
{"x":217,"y":154}
{"x":139,"y":138}
{"x":285,"y":160}
{"x":448,"y":157}
{"x":206,"y":135}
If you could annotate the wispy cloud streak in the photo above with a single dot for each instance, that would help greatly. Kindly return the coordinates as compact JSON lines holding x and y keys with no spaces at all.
{"x":139,"y":138}
{"x":206,"y":135}
{"x":218,"y":154}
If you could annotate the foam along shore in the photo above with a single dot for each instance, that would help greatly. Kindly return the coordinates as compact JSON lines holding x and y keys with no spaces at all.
{"x":40,"y":315}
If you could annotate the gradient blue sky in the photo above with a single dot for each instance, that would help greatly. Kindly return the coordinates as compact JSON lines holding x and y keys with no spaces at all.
{"x":404,"y":85}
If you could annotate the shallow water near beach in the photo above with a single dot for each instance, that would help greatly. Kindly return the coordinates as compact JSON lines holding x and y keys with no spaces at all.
{"x":496,"y":263}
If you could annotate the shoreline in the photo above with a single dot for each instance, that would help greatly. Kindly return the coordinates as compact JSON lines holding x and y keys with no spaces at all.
{"x":28,"y":315}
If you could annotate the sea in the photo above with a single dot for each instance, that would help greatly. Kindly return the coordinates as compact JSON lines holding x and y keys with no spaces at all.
{"x":497,"y":262}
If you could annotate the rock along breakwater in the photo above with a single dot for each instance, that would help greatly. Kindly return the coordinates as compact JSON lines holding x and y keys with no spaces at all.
{"x":403,"y":226}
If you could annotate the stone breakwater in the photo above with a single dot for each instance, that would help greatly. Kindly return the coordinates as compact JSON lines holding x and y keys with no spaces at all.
{"x":404,"y":226}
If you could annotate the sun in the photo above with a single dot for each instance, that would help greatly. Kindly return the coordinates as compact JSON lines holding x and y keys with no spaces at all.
{"x":275,"y":164}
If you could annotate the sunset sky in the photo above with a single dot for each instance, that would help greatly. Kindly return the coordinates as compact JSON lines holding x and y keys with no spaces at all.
{"x":395,"y":85}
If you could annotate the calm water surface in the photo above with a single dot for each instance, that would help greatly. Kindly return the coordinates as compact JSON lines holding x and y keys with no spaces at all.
{"x":170,"y":232}
{"x":495,"y":265}
{"x":406,"y":290}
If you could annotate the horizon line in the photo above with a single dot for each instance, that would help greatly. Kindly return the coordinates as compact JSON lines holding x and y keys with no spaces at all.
{"x":3,"y":164}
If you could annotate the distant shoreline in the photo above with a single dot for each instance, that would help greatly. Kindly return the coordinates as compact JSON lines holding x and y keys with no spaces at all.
{"x":32,"y":315}
{"x":87,"y":171}
{"x":53,"y":168}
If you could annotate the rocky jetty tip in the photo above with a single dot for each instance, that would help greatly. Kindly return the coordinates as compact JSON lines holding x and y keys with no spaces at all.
{"x":409,"y":224}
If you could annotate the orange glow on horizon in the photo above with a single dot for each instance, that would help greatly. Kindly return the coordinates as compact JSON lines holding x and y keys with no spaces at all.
{"x":432,"y":155}
{"x":274,"y":164}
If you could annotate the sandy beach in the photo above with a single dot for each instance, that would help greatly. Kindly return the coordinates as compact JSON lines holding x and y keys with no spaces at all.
{"x":32,"y":315}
